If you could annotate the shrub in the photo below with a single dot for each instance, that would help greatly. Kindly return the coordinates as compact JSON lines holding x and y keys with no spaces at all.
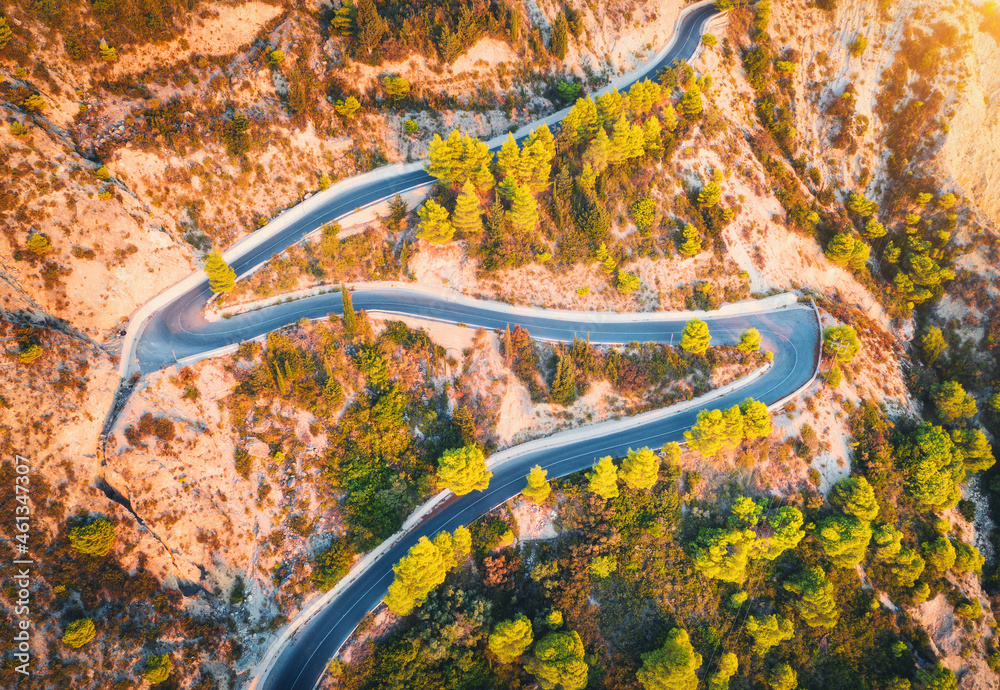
{"x":38,"y":244}
{"x":93,"y":539}
{"x":627,"y":283}
{"x":79,"y":633}
{"x":29,"y":353}
{"x":157,"y":668}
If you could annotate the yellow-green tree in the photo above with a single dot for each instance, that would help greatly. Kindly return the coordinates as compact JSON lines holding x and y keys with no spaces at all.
{"x":38,"y":244}
{"x":842,"y":342}
{"x":696,"y":338}
{"x":221,"y":276}
{"x":939,"y":554}
{"x":348,"y":107}
{"x":749,"y":341}
{"x":5,"y":33}
{"x":463,"y":470}
{"x":674,"y":666}
{"x":396,"y":88}
{"x":537,"y":488}
{"x":785,"y":533}
{"x":716,"y":430}
{"x":967,"y":558}
{"x":523,"y":209}
{"x":627,"y":283}
{"x":710,"y":195}
{"x":511,"y":638}
{"x":435,"y":224}
{"x":690,"y":241}
{"x":768,"y":631}
{"x":669,"y":117}
{"x":108,"y":53}
{"x":756,"y":419}
{"x":844,"y":540}
{"x":603,"y":481}
{"x":691,"y":103}
{"x":723,"y":554}
{"x":952,"y":402}
{"x":640,"y":469}
{"x":79,"y":633}
{"x":934,"y":467}
{"x":29,"y":353}
{"x":977,"y":452}
{"x":940,"y":677}
{"x":468,"y":216}
{"x":93,"y":539}
{"x":157,"y":668}
{"x":343,"y":21}
{"x":783,"y":677}
{"x":854,"y":496}
{"x":425,"y":567}
{"x":557,"y":662}
{"x":602,"y":566}
{"x":816,"y":604}
{"x":457,"y":159}
{"x":932,"y":344}
{"x":728,"y":665}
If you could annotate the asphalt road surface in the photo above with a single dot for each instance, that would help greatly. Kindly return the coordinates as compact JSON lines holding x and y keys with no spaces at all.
{"x":179,"y":330}
{"x":792,"y":334}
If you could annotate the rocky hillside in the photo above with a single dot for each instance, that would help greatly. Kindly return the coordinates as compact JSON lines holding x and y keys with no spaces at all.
{"x":136,"y":138}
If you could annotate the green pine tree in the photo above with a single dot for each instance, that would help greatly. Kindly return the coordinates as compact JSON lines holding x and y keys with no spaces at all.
{"x":560,"y":36}
{"x":370,"y":27}
{"x":690,"y":241}
{"x":468,"y":218}
{"x":435,"y":224}
{"x":538,"y":487}
{"x":221,"y":276}
{"x":603,"y":481}
{"x":350,"y":318}
{"x":563,"y":389}
{"x":5,"y":33}
{"x":524,"y":209}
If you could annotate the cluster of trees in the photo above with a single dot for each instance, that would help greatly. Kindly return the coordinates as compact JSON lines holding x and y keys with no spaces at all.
{"x":386,"y":428}
{"x":424,"y":568}
{"x":724,"y":553}
{"x":718,"y":430}
{"x":391,"y":31}
{"x":910,"y":551}
{"x":781,"y":573}
{"x":648,"y":372}
{"x":496,"y":206}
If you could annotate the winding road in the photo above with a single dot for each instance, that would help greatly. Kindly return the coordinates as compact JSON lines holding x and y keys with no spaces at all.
{"x":179,"y":329}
